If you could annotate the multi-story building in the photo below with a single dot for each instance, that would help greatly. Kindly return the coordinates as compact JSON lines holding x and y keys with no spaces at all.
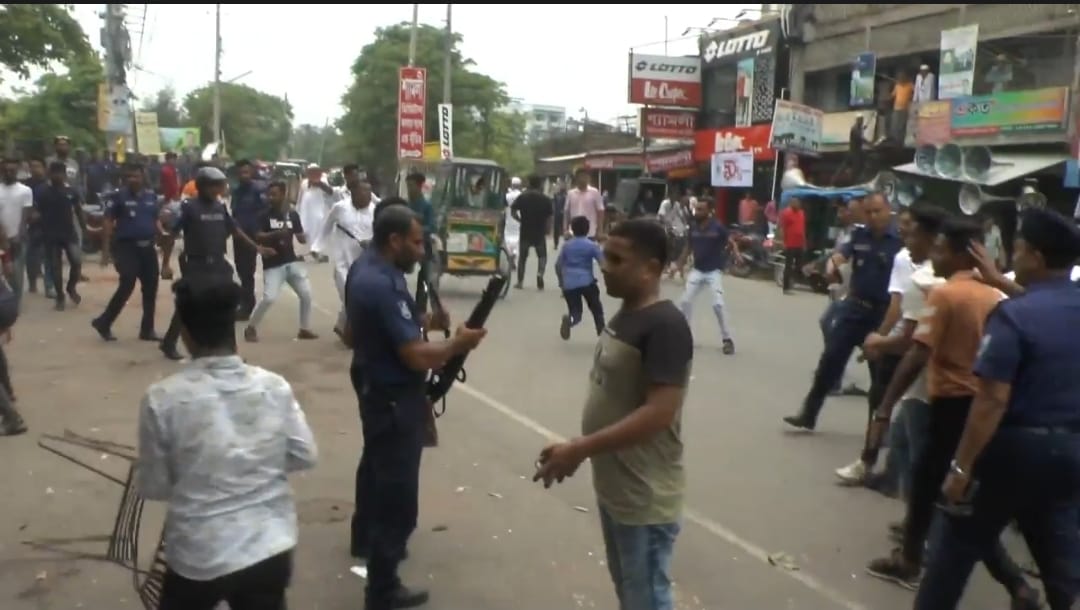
{"x":541,"y":121}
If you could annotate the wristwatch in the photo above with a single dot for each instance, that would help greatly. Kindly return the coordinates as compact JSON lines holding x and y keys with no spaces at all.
{"x":955,"y":468}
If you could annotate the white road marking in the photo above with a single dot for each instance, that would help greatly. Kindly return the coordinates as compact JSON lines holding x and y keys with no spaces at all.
{"x":691,"y":515}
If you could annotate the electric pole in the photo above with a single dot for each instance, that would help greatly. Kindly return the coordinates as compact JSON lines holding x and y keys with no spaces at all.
{"x":412,"y":34}
{"x":448,"y":63}
{"x":217,"y":74}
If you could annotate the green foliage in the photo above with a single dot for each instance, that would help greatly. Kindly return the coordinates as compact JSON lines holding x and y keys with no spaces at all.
{"x":324,"y":145}
{"x":481,"y":128}
{"x":167,"y":106}
{"x":37,"y":35}
{"x":60,"y":104}
{"x":256,"y":125}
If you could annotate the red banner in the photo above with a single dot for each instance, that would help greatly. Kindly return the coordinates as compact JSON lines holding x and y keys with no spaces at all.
{"x":754,"y":139}
{"x":666,"y":123}
{"x":667,"y":161}
{"x":412,"y":102}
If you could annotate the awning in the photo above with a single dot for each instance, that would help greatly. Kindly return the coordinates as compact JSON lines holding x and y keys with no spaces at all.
{"x":1007,"y":167}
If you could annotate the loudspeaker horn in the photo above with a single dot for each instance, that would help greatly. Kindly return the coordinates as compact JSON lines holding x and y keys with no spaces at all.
{"x":977,"y":161}
{"x":948,"y":162}
{"x":1030,"y":198}
{"x":907,"y":191}
{"x":794,"y":178}
{"x":972,"y":199}
{"x":924,"y":158}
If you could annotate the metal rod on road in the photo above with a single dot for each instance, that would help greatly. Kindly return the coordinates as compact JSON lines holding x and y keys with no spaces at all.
{"x":217,"y":74}
{"x":412,"y":34}
{"x":448,"y":64}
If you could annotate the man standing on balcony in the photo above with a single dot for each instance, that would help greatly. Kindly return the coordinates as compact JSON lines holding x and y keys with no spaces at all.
{"x":925,"y":83}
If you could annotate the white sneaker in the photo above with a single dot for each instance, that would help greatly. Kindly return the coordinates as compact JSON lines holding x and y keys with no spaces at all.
{"x":853,"y":474}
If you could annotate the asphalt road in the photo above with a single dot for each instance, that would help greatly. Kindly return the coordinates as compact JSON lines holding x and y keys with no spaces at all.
{"x":488,"y":539}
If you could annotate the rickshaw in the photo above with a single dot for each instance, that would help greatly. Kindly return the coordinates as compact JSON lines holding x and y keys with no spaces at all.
{"x":468,"y":196}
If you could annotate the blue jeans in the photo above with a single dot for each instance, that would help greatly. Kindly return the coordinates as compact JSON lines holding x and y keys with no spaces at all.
{"x":907,"y":438}
{"x":639,"y":559}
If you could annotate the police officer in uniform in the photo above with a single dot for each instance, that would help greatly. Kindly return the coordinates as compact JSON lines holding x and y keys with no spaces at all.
{"x":870,"y":251}
{"x":1022,"y":439}
{"x":129,"y":235}
{"x":207,"y":226}
{"x":391,"y":360}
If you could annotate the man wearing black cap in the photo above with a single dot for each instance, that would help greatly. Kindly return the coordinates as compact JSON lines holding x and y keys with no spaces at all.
{"x":1021,"y":443}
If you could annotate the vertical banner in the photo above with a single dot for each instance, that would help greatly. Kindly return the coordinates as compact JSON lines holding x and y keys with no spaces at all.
{"x":446,"y":131}
{"x":957,"y":72}
{"x":412,"y":98}
{"x":744,"y":92}
{"x":863,"y":73}
{"x":147,"y":133}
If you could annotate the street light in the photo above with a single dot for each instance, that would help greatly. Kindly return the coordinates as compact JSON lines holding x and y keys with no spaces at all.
{"x":237,"y":77}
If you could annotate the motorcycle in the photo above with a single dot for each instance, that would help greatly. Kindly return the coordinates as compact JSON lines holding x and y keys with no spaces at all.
{"x":749,"y":253}
{"x":810,"y":274}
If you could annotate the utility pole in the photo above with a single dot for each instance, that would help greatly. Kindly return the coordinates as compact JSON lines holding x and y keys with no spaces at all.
{"x":448,"y":64}
{"x":217,"y":74}
{"x":412,"y":34}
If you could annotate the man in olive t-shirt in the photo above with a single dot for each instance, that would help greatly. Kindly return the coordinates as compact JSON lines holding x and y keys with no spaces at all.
{"x":631,"y":427}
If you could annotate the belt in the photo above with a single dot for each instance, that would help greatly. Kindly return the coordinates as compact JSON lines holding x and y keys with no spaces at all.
{"x":140,"y":243}
{"x":865,"y":303}
{"x":205,"y":259}
{"x":1047,"y":430}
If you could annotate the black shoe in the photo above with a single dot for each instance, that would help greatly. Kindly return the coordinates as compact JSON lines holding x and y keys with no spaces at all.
{"x":13,"y":427}
{"x":800,"y":421}
{"x":102,"y":330}
{"x":405,"y":597}
{"x":729,"y":347}
{"x":149,"y":336}
{"x":170,"y":352}
{"x":59,"y":306}
{"x":74,"y":296}
{"x":564,"y":328}
{"x":539,"y":282}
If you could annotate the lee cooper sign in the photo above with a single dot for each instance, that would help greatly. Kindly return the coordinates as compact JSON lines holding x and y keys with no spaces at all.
{"x":658,"y":80}
{"x":730,"y":47}
{"x":665,"y":123}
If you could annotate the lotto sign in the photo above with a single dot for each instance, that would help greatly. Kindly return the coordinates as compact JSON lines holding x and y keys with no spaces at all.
{"x":733,"y":169}
{"x":658,"y":80}
{"x":412,"y":98}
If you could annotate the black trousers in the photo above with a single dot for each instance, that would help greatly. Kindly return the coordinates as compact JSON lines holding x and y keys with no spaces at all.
{"x":536,"y":243}
{"x":947,"y":419}
{"x":881,"y":373}
{"x":557,"y":229}
{"x":134,"y":261}
{"x":245,"y":258}
{"x":190,"y":266}
{"x":360,"y":528}
{"x":591,"y":295}
{"x":258,"y":587}
{"x":54,"y":251}
{"x":394,"y":424}
{"x":792,"y":259}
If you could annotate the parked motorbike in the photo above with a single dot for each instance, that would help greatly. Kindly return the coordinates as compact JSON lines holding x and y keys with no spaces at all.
{"x":750,"y":253}
{"x":811,"y":274}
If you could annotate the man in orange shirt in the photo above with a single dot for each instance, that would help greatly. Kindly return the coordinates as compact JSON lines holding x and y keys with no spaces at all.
{"x":903,"y":91}
{"x":793,"y":231}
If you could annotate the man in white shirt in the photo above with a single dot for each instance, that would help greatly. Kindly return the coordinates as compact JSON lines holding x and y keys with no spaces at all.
{"x":925,"y":90}
{"x":346,"y":234}
{"x":313,"y":202}
{"x":16,"y":202}
{"x":216,"y":442}
{"x":512,"y":232}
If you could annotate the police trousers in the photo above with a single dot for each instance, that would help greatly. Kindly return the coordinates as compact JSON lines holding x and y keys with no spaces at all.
{"x":852,"y":322}
{"x":134,"y":260}
{"x":191,"y":266}
{"x":394,"y":422}
{"x":1030,"y":475}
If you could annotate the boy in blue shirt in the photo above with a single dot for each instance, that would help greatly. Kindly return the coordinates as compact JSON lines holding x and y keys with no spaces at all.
{"x":575,"y":270}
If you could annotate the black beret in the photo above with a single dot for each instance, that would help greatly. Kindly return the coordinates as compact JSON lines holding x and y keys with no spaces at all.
{"x":1051,"y":233}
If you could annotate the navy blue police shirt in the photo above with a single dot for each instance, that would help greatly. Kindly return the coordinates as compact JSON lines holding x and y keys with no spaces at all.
{"x":206,"y":226}
{"x":248,"y":207}
{"x":871,"y":263}
{"x":383,"y":317}
{"x":135,"y":214}
{"x":1030,"y":343}
{"x":709,"y":245}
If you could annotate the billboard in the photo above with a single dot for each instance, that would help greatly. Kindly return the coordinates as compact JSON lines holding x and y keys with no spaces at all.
{"x":412,"y":98}
{"x":668,"y":123}
{"x":658,"y":80}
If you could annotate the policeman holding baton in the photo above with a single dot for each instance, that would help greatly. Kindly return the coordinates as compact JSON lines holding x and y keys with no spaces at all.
{"x":206,"y":226}
{"x":1019,"y":456}
{"x":391,"y":360}
{"x":130,"y":229}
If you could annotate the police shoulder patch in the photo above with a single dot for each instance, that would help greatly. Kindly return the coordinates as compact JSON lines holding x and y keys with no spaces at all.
{"x":983,"y":345}
{"x":403,"y":307}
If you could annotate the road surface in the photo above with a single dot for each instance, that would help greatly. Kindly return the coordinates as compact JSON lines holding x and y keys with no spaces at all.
{"x":489,"y":538}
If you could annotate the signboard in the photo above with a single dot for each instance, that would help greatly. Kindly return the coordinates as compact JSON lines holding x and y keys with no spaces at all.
{"x":754,"y":139}
{"x":1009,"y":112}
{"x":796,"y":128}
{"x":666,"y":161}
{"x":959,"y":47}
{"x":733,"y":45}
{"x":446,"y":131}
{"x":668,"y":123}
{"x":179,"y":139}
{"x":147,"y":135}
{"x":931,"y":123}
{"x":658,"y":80}
{"x":472,"y":240}
{"x":733,"y":169}
{"x":863,"y":71}
{"x":836,"y":127}
{"x":412,"y":101}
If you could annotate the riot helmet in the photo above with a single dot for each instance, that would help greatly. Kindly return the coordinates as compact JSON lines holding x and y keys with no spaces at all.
{"x":210,"y":182}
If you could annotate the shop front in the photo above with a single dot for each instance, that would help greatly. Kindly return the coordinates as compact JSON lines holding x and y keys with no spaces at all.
{"x":753,"y":140}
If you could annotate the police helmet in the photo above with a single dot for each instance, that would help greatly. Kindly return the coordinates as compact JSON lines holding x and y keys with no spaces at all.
{"x":209,"y":176}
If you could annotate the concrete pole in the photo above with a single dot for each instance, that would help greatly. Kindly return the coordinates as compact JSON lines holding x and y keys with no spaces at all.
{"x":217,"y":74}
{"x":448,"y":64}
{"x":412,"y":34}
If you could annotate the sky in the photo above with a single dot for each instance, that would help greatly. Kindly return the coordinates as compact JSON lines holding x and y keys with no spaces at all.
{"x":575,"y":55}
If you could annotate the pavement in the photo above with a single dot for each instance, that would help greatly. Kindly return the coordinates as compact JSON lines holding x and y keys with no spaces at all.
{"x":488,"y":538}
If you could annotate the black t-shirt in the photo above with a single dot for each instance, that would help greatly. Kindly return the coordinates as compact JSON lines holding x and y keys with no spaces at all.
{"x":56,"y":207}
{"x":534,"y":208}
{"x":662,"y":336}
{"x":284,"y":252}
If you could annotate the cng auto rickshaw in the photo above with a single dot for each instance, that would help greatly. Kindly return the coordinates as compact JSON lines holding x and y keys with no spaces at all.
{"x":469,"y":200}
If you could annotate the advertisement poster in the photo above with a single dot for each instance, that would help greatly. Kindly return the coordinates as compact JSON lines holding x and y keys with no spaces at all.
{"x":659,"y":80}
{"x":446,"y":131}
{"x":668,"y":123}
{"x":147,"y":135}
{"x":178,"y":139}
{"x":412,"y":99}
{"x":735,"y":169}
{"x":1010,"y":112}
{"x":863,"y":72}
{"x":744,"y":92}
{"x":957,"y":72}
{"x":796,"y":128}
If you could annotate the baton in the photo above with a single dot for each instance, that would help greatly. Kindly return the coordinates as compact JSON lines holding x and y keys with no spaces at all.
{"x":364,"y":243}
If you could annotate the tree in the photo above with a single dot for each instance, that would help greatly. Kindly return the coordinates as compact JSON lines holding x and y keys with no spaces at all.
{"x":369,"y":125}
{"x":36,"y":35}
{"x":167,"y":107}
{"x":323,"y":144}
{"x":60,"y":104}
{"x":256,"y":125}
